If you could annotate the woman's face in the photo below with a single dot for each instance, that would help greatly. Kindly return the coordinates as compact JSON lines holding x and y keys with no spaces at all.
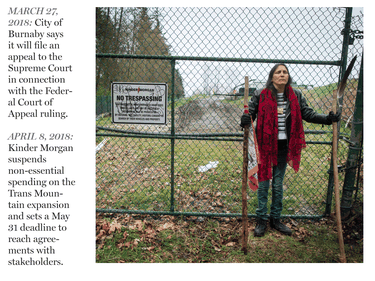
{"x":280,"y":76}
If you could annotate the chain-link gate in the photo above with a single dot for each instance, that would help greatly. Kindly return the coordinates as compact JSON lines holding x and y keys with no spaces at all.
{"x":192,"y":165}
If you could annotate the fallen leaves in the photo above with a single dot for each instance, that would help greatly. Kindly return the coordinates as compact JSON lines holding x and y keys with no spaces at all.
{"x":167,"y":225}
{"x":216,"y":245}
{"x":150,"y":236}
{"x":114,"y":226}
{"x":104,"y":230}
{"x":146,"y":231}
{"x":173,"y":239}
{"x":137,"y":225}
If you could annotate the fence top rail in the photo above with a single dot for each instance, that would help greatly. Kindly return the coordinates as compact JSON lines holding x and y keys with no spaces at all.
{"x":159,"y":57}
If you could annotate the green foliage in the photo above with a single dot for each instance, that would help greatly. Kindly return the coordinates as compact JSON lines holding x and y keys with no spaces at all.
{"x":135,"y":31}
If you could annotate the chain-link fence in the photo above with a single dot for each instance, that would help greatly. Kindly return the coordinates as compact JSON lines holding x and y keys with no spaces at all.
{"x":192,"y":164}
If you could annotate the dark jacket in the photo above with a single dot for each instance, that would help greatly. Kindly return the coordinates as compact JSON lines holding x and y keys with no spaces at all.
{"x":308,"y":114}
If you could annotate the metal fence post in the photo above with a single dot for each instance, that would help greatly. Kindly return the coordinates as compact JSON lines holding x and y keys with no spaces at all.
{"x":173,"y":65}
{"x":354,"y":149}
{"x":344,"y":57}
{"x":345,"y":44}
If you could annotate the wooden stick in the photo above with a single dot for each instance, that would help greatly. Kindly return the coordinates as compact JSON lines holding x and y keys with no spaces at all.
{"x":336,"y":181}
{"x":245,"y":231}
{"x":340,"y":91}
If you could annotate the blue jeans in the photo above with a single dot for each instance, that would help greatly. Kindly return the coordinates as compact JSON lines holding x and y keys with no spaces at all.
{"x":278,"y":173}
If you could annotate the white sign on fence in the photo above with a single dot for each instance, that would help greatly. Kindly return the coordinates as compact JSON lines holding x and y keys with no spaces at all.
{"x":139,"y":103}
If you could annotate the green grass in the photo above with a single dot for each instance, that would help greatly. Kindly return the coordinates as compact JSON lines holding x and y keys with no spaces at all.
{"x":215,"y":241}
{"x":138,"y":177}
{"x":142,"y":178}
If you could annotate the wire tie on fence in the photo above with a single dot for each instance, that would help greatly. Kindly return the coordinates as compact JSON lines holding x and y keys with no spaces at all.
{"x":339,"y":167}
{"x":342,"y":168}
{"x":355,"y":147}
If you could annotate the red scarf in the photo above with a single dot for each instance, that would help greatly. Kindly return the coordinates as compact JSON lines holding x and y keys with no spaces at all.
{"x":267,"y":131}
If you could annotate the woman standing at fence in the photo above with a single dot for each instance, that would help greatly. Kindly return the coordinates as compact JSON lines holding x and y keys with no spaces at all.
{"x":279,"y":110}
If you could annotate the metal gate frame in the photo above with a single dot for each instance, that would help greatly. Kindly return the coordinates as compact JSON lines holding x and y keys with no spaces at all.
{"x":173,"y":136}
